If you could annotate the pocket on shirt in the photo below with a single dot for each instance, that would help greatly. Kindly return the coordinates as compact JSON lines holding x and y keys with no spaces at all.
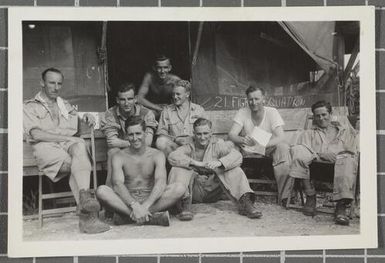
{"x":42,"y":115}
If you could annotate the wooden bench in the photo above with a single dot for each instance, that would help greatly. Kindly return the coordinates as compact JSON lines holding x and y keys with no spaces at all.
{"x":258,"y":169}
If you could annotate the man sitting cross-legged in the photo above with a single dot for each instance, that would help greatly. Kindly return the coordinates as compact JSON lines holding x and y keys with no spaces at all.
{"x":215,"y":165}
{"x":139,"y":191}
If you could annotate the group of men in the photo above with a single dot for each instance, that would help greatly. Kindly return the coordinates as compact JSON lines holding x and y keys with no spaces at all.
{"x":203,"y":167}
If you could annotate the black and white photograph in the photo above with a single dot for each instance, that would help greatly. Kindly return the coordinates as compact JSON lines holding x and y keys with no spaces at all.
{"x":187,"y":131}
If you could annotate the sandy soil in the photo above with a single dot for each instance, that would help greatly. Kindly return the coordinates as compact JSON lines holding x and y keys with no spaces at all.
{"x":220,"y":219}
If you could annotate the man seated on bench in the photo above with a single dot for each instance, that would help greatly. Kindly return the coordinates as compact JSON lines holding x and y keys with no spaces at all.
{"x":260,"y":119}
{"x":139,"y":190}
{"x":213,"y":165}
{"x":115,"y":119}
{"x":176,"y":121}
{"x":327,"y":142}
{"x":50,"y":124}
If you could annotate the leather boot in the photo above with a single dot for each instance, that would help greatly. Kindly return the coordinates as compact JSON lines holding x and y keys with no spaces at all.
{"x":119,"y":219}
{"x":159,"y":219}
{"x":310,"y":206}
{"x":89,"y":223}
{"x":88,"y":202}
{"x":246,"y":206}
{"x":184,"y":209}
{"x":340,"y":215}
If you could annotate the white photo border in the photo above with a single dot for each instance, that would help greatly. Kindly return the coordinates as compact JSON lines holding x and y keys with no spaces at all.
{"x":367,"y":238}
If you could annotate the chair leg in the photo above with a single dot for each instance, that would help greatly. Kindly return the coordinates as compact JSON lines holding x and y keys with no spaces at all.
{"x":40,"y":200}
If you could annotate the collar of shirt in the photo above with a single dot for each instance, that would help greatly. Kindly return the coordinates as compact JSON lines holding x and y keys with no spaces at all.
{"x":121,"y":116}
{"x":336,"y":124}
{"x":213,"y":140}
{"x":60,"y":102}
{"x":191,"y":107}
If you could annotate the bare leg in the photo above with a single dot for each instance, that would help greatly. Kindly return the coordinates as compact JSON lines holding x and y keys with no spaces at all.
{"x":110,"y":152}
{"x":170,"y":196}
{"x":165,"y":145}
{"x":80,"y":165}
{"x":109,"y":198}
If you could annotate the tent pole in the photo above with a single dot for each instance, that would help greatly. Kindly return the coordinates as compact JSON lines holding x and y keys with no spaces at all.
{"x":103,"y":52}
{"x":197,"y":43}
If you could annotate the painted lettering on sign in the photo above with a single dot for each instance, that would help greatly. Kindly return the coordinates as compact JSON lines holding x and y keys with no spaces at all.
{"x":286,"y":102}
{"x":231,"y":102}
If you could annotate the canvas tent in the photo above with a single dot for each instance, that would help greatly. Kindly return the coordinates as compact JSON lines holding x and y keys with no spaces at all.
{"x":220,"y":58}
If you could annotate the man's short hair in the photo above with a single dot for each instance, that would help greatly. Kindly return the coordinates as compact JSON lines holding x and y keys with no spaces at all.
{"x":182,"y":83}
{"x":44,"y":73}
{"x":254,"y":87}
{"x":136,"y":120}
{"x":202,"y":122}
{"x":127,"y":86}
{"x":320,"y":104}
{"x":161,"y":57}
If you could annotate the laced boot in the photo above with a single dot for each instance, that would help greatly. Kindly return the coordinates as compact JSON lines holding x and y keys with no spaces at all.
{"x":184,"y":209}
{"x":88,"y":202}
{"x":159,"y":219}
{"x":340,"y":215}
{"x":119,"y":219}
{"x":310,"y":206}
{"x":89,"y":223}
{"x":247,"y":208}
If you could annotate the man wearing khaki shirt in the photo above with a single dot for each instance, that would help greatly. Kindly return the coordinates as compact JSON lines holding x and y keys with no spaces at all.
{"x":176,"y":121}
{"x":50,"y":124}
{"x":329,"y":142}
{"x":213,"y":165}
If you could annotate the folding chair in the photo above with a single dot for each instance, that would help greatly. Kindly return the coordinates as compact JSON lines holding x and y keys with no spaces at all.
{"x":51,"y":196}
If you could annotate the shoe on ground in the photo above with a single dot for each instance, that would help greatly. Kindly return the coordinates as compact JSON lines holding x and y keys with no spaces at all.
{"x":159,"y":219}
{"x":310,"y":206}
{"x":90,"y":223}
{"x":88,"y":202}
{"x":247,"y":207}
{"x":184,"y":209}
{"x":340,"y":215}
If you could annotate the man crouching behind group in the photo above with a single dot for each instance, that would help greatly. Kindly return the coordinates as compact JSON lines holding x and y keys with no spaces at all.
{"x":139,"y":191}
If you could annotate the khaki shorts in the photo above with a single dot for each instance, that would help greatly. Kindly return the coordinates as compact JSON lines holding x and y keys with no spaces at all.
{"x":50,"y":157}
{"x":140,"y":194}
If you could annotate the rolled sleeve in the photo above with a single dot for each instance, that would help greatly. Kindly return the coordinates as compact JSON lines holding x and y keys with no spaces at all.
{"x":150,"y":121}
{"x":30,"y":119}
{"x":276,"y":119}
{"x":180,"y":157}
{"x":109,"y":126}
{"x":228,"y":156}
{"x":163,"y":125}
{"x":200,"y":112}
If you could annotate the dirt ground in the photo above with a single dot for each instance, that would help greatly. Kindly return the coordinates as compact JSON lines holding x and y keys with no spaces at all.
{"x":220,"y":219}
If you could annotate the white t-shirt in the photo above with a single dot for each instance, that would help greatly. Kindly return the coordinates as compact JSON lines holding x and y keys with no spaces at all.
{"x":271,"y":120}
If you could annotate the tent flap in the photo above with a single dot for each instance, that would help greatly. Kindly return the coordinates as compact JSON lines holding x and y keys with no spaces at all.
{"x":315,"y":38}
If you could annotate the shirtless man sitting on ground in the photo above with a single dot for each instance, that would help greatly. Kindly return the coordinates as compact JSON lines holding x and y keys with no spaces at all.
{"x":139,"y":191}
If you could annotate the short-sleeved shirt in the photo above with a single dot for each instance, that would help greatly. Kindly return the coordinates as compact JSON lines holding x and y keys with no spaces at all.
{"x":170,"y":124}
{"x":113,"y":123}
{"x":37,"y":114}
{"x":50,"y":156}
{"x":270,"y":121}
{"x":161,"y":92}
